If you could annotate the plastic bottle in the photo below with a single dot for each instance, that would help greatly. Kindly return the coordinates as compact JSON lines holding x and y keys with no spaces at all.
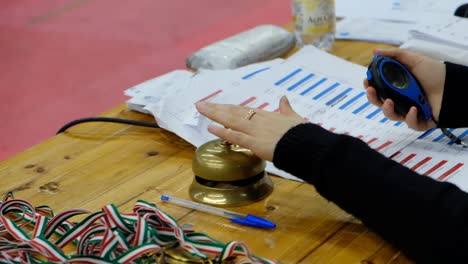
{"x":314,"y":22}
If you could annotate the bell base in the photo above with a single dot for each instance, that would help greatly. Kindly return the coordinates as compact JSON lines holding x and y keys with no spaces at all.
{"x":235,"y":193}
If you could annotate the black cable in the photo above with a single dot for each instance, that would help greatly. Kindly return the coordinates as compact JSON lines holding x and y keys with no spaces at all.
{"x":107,"y":119}
{"x":446,"y":132}
{"x":450,"y":135}
{"x":453,"y":138}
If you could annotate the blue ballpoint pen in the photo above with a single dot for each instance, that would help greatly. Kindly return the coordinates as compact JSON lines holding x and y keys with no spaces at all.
{"x":248,"y":219}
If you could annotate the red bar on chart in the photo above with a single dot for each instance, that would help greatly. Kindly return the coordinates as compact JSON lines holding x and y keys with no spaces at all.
{"x":384,"y":145}
{"x":405,"y":160}
{"x":422,"y":162}
{"x":276,"y":110}
{"x":332,"y":129}
{"x":450,"y":172}
{"x":396,"y":155}
{"x":210,"y":96}
{"x":371,"y":141}
{"x":248,"y":101}
{"x":437,"y":166}
{"x":262,"y":106}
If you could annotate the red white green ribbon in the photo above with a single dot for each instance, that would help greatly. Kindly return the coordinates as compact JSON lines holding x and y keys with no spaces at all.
{"x":31,"y":234}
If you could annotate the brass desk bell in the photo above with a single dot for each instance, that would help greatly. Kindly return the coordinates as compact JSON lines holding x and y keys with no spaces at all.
{"x":228,"y":175}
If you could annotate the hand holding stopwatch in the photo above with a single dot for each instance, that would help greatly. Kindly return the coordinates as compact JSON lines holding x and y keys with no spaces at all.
{"x":392,"y":80}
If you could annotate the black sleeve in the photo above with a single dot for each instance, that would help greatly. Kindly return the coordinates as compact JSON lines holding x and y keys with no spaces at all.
{"x":453,"y":112}
{"x":426,"y":219}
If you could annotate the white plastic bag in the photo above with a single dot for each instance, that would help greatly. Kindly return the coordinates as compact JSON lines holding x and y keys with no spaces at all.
{"x":257,"y":44}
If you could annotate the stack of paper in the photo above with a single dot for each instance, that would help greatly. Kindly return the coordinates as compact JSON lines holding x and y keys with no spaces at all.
{"x":154,"y":90}
{"x":325,"y":89}
{"x":392,"y":10}
{"x":373,"y":30}
{"x":388,"y":21}
{"x":441,"y":37}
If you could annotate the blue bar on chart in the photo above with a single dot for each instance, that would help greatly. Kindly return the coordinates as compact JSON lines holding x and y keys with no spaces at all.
{"x":463,"y":135}
{"x":440,"y":137}
{"x":427,"y":133}
{"x":352,"y":100}
{"x":318,"y":96}
{"x":289,"y":76}
{"x":340,"y":96}
{"x":306,"y":91}
{"x":383,"y":120}
{"x":371,"y":115}
{"x":362,"y":107}
{"x":303,"y":80}
{"x":399,"y":123}
{"x":248,"y":76}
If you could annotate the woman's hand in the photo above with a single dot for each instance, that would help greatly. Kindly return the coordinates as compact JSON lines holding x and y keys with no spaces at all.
{"x":430,"y":74}
{"x":259,"y":132}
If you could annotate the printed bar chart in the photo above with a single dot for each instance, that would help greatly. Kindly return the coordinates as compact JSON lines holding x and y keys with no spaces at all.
{"x":329,"y":95}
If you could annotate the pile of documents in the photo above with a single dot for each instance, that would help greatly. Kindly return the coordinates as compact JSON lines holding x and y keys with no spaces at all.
{"x":325,"y":89}
{"x":441,"y":37}
{"x":411,"y":23}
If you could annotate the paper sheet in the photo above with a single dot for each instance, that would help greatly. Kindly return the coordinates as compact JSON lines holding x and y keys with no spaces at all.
{"x":337,"y":105}
{"x":448,"y":30}
{"x":434,"y":156}
{"x":335,"y":67}
{"x":437,"y":50}
{"x":373,"y":30}
{"x":154,"y":90}
{"x":396,"y":10}
{"x":441,"y":37}
{"x":325,"y":89}
{"x":400,"y":10}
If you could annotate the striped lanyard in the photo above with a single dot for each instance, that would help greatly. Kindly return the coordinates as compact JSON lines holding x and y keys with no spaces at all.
{"x":31,"y":234}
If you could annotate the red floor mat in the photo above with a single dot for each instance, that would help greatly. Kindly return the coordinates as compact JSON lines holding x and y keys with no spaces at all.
{"x":62,"y":60}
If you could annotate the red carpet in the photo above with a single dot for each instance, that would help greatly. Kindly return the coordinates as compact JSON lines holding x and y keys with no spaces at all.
{"x":65,"y":59}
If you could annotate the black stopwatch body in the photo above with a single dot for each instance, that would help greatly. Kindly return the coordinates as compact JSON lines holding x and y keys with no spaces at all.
{"x":392,"y":80}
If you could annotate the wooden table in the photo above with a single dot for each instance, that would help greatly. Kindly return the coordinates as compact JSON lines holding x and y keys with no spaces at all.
{"x":95,"y":164}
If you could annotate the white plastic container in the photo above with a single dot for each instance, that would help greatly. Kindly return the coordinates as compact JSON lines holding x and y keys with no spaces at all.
{"x":314,"y":22}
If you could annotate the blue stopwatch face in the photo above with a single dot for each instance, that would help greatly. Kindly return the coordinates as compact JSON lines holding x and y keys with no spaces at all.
{"x":392,"y":80}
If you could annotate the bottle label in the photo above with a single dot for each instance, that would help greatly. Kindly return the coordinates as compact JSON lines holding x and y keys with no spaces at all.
{"x":314,"y":17}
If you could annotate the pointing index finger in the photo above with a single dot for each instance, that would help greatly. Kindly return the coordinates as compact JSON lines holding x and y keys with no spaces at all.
{"x":231,"y":116}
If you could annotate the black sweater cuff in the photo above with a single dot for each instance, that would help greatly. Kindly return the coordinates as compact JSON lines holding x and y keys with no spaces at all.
{"x":310,"y":144}
{"x":453,"y":112}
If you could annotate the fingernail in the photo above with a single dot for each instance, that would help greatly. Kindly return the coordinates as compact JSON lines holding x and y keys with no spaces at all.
{"x":211,"y":128}
{"x":200,"y":105}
